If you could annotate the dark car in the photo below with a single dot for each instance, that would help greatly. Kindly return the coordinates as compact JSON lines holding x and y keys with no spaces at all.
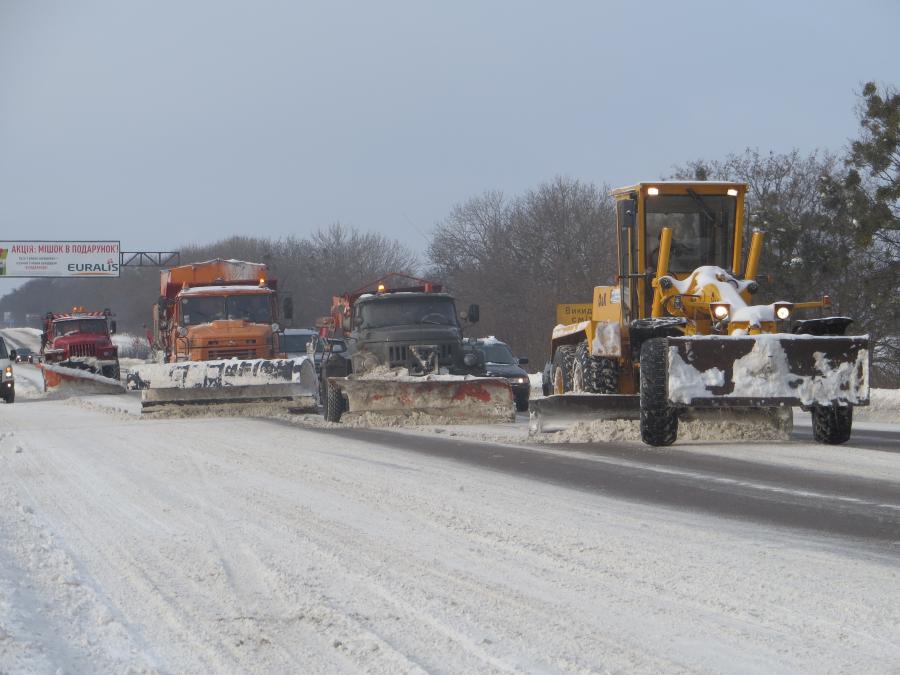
{"x":23,"y":355}
{"x":293,"y":341}
{"x":496,"y":360}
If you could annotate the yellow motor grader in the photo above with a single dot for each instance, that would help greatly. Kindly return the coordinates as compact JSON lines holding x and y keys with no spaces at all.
{"x":680,"y":334}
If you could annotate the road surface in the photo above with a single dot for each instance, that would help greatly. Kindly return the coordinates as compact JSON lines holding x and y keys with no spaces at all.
{"x":259,"y":545}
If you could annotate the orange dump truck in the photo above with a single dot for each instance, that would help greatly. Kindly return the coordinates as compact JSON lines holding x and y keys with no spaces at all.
{"x":216,"y":327}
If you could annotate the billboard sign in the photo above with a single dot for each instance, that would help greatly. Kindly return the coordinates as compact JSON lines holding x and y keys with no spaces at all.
{"x":59,"y":258}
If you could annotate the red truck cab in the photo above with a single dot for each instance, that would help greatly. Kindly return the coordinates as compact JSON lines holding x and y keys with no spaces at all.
{"x":81,"y":340}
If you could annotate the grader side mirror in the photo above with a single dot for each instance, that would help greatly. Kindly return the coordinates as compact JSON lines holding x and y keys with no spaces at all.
{"x":112,"y":327}
{"x":628,"y":211}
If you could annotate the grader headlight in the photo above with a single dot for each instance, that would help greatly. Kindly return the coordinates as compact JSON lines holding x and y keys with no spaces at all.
{"x":719,"y":310}
{"x":783,"y":310}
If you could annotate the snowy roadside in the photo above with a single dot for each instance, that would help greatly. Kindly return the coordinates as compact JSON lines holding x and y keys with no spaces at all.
{"x":239,"y":545}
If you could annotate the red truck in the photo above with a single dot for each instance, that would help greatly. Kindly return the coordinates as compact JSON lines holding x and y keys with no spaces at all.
{"x":81,"y":339}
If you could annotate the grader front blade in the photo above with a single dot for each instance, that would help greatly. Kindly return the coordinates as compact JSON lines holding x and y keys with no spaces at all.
{"x":768,"y":370}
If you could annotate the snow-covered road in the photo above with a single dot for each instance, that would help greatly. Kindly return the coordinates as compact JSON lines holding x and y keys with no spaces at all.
{"x":253,"y":545}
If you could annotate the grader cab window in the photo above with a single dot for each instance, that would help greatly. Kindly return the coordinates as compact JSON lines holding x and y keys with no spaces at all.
{"x":702,"y":230}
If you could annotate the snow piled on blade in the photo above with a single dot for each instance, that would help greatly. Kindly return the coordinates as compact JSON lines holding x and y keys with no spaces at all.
{"x":765,"y":372}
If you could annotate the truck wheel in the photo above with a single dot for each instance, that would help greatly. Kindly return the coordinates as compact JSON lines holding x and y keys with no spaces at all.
{"x":659,"y":420}
{"x":594,"y":374}
{"x":334,"y":404}
{"x":832,"y":423}
{"x":561,"y":373}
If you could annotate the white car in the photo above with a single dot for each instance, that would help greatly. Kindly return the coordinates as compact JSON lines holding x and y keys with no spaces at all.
{"x":7,"y":379}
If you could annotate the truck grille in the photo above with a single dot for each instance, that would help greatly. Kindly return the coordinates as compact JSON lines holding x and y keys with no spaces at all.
{"x":83,"y":350}
{"x":234,"y":353}
{"x":398,"y":354}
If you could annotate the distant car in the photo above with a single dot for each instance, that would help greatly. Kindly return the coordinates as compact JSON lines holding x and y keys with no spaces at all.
{"x":496,"y":360}
{"x":294,"y":341}
{"x":316,"y":349}
{"x":7,"y":377}
{"x":24,"y":354}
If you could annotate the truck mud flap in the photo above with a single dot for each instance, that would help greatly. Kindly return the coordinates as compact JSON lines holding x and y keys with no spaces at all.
{"x":768,"y":370}
{"x":232,"y":381}
{"x":558,"y":413}
{"x":473,"y":399}
{"x":76,"y":381}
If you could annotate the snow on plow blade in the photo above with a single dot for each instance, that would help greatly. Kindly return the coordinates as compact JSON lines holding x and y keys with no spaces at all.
{"x":761,"y":370}
{"x":473,"y":399}
{"x":76,"y":381}
{"x":558,"y":413}
{"x":232,"y":381}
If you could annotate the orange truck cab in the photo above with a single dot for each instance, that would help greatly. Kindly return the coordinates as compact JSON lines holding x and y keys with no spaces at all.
{"x":219,"y":309}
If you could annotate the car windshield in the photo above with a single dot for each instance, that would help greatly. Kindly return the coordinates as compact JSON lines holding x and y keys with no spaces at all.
{"x":205,"y":309}
{"x":96,"y":326}
{"x":400,"y":311}
{"x":295,"y":342}
{"x":702,"y":230}
{"x":497,"y":353}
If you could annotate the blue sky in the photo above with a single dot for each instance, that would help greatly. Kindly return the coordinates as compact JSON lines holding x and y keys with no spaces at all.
{"x":167,"y":122}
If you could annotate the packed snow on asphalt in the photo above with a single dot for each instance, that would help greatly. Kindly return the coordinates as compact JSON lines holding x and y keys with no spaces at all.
{"x":260,"y":545}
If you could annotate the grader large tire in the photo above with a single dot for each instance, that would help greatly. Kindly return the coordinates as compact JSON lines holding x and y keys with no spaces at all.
{"x":832,"y":424}
{"x":659,"y":420}
{"x":594,"y":374}
{"x":334,"y":404}
{"x":561,"y":373}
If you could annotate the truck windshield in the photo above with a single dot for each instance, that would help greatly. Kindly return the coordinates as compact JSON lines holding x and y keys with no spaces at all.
{"x":497,"y":353}
{"x":205,"y":309}
{"x":400,"y":311}
{"x":96,"y":326}
{"x":702,"y":230}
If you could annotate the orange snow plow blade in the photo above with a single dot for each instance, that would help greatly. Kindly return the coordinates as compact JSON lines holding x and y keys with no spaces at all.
{"x":77,"y":382}
{"x":479,"y":399}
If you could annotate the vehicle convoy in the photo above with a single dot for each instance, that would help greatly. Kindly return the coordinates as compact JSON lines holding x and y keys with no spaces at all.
{"x":679,"y":334}
{"x":216,"y":331}
{"x":77,"y":349}
{"x":496,"y":360}
{"x":404,"y":355}
{"x":7,"y":379}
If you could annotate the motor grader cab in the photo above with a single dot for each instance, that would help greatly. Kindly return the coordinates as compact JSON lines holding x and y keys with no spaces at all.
{"x":681,"y":331}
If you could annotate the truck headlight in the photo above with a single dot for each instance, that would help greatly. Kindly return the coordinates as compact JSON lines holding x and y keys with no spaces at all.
{"x":719,"y":310}
{"x":783,"y":310}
